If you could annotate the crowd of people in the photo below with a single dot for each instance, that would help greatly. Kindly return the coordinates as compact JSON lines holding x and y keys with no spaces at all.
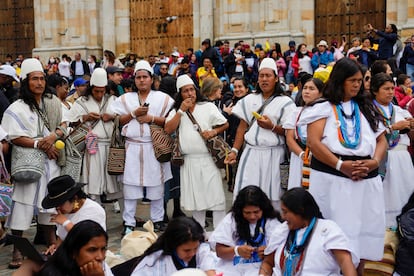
{"x":342,"y":117}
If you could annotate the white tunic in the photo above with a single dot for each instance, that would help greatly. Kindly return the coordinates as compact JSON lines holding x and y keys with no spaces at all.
{"x":157,"y":264}
{"x":319,"y":259}
{"x":94,"y":165}
{"x":356,"y":206}
{"x":89,"y":210}
{"x":225,"y":234}
{"x":142,"y":169}
{"x":296,"y":163}
{"x":20,"y":121}
{"x":398,"y":181}
{"x":201,"y":182}
{"x":264,"y":150}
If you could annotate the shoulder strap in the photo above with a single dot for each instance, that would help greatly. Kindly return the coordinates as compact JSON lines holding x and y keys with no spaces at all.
{"x":193,"y":120}
{"x":260,"y":110}
{"x":165,"y":105}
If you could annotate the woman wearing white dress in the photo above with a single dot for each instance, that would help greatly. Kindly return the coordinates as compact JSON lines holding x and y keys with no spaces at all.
{"x":201,"y":182}
{"x":296,"y":135}
{"x":180,"y":246}
{"x":242,"y":236}
{"x":348,"y":144}
{"x":306,"y":244}
{"x":399,"y":172}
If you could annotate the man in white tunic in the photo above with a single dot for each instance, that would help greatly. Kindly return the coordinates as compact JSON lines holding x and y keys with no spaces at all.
{"x":137,"y":111}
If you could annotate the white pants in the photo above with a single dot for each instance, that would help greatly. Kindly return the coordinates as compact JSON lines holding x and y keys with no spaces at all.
{"x":21,"y":217}
{"x":200,"y":217}
{"x":130,"y":207}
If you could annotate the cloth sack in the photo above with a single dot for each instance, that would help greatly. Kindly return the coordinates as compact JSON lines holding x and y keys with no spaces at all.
{"x":77,"y":136}
{"x":162,"y":143}
{"x":135,"y":243}
{"x":91,"y":142}
{"x":27,"y":164}
{"x":6,"y":189}
{"x":115,"y":164}
{"x":306,"y":168}
{"x":73,"y":161}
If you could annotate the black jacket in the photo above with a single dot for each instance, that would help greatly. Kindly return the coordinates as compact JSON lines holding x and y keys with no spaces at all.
{"x":404,"y":258}
{"x":85,"y":68}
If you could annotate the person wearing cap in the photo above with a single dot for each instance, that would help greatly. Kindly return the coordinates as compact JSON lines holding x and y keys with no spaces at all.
{"x":24,"y":124}
{"x":199,"y":175}
{"x":110,"y":60}
{"x":138,"y":110}
{"x":114,"y":80}
{"x":263,"y":137}
{"x":184,"y":67}
{"x":322,"y":57}
{"x":162,"y":57}
{"x":174,"y":63}
{"x":8,"y":93}
{"x":80,"y":85}
{"x":288,"y":56}
{"x":93,"y":110}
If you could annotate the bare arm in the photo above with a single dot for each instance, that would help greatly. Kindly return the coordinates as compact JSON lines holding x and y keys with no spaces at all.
{"x":266,"y":268}
{"x":291,"y":142}
{"x":238,"y":142}
{"x":344,"y":260}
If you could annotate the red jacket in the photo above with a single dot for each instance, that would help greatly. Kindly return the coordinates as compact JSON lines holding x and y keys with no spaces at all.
{"x":295,"y":63}
{"x":402,"y":98}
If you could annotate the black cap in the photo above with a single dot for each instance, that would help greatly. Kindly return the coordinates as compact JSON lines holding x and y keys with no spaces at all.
{"x":161,"y":53}
{"x":113,"y":69}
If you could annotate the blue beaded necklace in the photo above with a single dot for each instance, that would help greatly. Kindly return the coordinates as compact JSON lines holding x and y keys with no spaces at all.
{"x":394,"y":136}
{"x":343,"y":136}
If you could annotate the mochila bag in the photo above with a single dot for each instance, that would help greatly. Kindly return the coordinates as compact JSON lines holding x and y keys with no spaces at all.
{"x":6,"y":188}
{"x":284,"y":168}
{"x":306,"y":168}
{"x":177,"y":158}
{"x":115,"y":164}
{"x":217,"y":147}
{"x":27,"y":164}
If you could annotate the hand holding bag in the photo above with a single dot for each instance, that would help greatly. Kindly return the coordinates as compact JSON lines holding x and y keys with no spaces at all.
{"x":115,"y":164}
{"x":217,"y":147}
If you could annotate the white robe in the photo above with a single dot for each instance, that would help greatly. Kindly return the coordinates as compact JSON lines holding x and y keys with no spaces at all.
{"x":398,"y":181}
{"x":225,"y":233}
{"x":356,"y":206}
{"x":264,"y":150}
{"x":94,"y":165}
{"x":142,"y":169}
{"x":319,"y":259}
{"x":200,"y":179}
{"x":157,"y":264}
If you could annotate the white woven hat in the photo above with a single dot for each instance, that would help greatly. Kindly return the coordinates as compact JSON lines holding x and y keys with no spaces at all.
{"x":268,"y":63}
{"x":99,"y":78}
{"x":183,"y":80}
{"x":143,"y":65}
{"x":30,"y":65}
{"x":323,"y":43}
{"x":9,"y":71}
{"x":189,"y":272}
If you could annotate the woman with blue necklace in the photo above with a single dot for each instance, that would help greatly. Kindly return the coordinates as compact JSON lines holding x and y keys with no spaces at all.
{"x":180,"y":246}
{"x":348,"y":144}
{"x":243,"y":234}
{"x":306,"y":244}
{"x":399,"y":171}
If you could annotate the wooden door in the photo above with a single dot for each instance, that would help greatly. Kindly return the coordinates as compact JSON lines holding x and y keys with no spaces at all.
{"x":16,"y":28}
{"x":152,"y":32}
{"x":348,"y":17}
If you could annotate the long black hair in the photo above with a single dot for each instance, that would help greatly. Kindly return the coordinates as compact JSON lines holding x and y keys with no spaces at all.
{"x":251,"y":196}
{"x":179,"y":231}
{"x":302,"y":203}
{"x":63,"y":261}
{"x":334,"y":89}
{"x":27,"y":96}
{"x":377,"y":81}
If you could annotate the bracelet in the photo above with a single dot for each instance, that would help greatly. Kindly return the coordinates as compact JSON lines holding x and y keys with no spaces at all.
{"x":153,"y":118}
{"x":236,"y":253}
{"x":376,"y":160}
{"x":301,"y":154}
{"x":274,"y":126}
{"x":133,"y":115}
{"x":236,"y":151}
{"x":65,"y":223}
{"x":35,"y":144}
{"x":180,"y":111}
{"x":339,"y":164}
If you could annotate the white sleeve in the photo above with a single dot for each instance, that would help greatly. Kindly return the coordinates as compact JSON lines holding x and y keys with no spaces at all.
{"x":170,"y":115}
{"x":205,"y":258}
{"x":278,"y":238}
{"x":223,"y":233}
{"x":291,"y":119}
{"x":334,"y":237}
{"x":216,"y":118}
{"x":315,"y":112}
{"x":118,"y":107}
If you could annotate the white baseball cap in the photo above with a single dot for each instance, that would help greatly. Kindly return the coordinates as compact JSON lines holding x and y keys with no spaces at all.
{"x":9,"y":71}
{"x":143,"y":65}
{"x":30,"y":65}
{"x":99,"y":78}
{"x":183,"y":80}
{"x":268,"y":63}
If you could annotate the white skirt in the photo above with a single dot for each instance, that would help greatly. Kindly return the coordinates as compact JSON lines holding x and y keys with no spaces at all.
{"x":356,"y":206}
{"x":295,"y":171}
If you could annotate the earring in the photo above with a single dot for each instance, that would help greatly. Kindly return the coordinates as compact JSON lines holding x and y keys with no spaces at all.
{"x":76,"y":205}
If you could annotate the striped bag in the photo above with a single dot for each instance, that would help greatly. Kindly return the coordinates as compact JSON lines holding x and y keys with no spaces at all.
{"x":306,"y":168}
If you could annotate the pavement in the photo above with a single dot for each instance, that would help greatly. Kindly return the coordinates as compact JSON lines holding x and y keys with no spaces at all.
{"x":114,"y":229}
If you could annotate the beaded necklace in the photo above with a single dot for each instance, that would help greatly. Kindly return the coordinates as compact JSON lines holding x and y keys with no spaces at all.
{"x":394,"y":136}
{"x":343,"y":136}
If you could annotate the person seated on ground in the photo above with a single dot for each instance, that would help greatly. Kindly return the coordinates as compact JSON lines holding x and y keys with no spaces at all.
{"x":81,"y":253}
{"x":180,"y":246}
{"x":306,"y":244}
{"x":404,"y":258}
{"x":243,"y":234}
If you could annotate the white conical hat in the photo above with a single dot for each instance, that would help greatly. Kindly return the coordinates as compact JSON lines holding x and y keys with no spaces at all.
{"x":99,"y":78}
{"x":143,"y":65}
{"x":30,"y":65}
{"x":183,"y":80}
{"x":268,"y":63}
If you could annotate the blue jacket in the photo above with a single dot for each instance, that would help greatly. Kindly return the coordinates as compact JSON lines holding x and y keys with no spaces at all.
{"x":321,"y":58}
{"x":386,"y":44}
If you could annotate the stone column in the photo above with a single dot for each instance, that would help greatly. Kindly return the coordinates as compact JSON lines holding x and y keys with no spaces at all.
{"x":205,"y":19}
{"x":108,"y":25}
